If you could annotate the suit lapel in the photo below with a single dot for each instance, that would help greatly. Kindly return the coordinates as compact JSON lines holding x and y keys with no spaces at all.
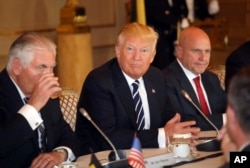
{"x":208,"y":86}
{"x":11,"y":93}
{"x":184,"y":82}
{"x":152,"y":100}
{"x":123,"y":92}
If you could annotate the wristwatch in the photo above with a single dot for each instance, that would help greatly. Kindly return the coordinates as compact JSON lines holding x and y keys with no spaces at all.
{"x":64,"y":151}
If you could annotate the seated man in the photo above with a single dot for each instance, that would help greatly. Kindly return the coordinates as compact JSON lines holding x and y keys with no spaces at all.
{"x":33,"y":131}
{"x":192,"y":59}
{"x":127,"y":96}
{"x":235,"y":134}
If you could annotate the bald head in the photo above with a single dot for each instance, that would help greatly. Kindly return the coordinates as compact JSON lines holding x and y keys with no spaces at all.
{"x":193,"y":50}
{"x":192,"y":33}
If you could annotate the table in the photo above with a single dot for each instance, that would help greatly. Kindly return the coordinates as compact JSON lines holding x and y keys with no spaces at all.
{"x":200,"y":161}
{"x":83,"y":161}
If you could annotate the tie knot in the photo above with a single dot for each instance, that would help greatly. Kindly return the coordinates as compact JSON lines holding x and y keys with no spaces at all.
{"x":135,"y":84}
{"x":197,"y":80}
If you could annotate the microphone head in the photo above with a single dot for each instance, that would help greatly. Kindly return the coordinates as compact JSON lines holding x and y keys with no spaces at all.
{"x":84,"y":113}
{"x":186,"y":95}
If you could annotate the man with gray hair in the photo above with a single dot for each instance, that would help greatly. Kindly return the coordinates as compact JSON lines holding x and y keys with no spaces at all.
{"x":33,"y":131}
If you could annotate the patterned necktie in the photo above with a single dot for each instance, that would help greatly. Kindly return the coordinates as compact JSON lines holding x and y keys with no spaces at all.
{"x":140,"y":121}
{"x":203,"y":103}
{"x":41,"y":129}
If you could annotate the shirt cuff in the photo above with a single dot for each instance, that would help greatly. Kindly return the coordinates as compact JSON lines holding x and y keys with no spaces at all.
{"x":31,"y":115}
{"x":71,"y":156}
{"x":161,"y":138}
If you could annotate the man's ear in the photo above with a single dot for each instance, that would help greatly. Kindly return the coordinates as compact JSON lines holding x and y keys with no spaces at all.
{"x":231,"y":118}
{"x":153,"y":56}
{"x":16,"y":66}
{"x":117,"y":51}
{"x":178,"y":51}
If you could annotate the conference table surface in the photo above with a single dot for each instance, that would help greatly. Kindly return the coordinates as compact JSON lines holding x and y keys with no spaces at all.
{"x":201,"y":159}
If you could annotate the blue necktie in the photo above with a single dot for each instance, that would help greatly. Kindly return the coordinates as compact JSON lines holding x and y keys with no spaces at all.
{"x":140,"y":121}
{"x":41,"y":129}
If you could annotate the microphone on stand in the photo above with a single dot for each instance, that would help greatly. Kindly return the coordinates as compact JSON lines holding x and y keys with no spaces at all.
{"x":212,"y":144}
{"x":158,"y":160}
{"x":186,"y":95}
{"x":86,"y":115}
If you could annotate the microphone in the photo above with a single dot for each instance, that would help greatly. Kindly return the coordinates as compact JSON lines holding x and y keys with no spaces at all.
{"x":86,"y":115}
{"x":158,"y":160}
{"x":186,"y":95}
{"x":211,"y":144}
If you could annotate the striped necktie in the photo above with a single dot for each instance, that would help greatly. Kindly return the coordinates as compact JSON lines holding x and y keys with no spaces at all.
{"x":140,"y":121}
{"x":41,"y":129}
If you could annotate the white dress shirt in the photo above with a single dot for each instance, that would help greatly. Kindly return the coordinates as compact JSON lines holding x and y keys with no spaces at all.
{"x":34,"y":119}
{"x":143,"y":95}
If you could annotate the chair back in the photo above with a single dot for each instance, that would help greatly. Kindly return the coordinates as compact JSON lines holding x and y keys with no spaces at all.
{"x":68,"y":103}
{"x":219,"y":70}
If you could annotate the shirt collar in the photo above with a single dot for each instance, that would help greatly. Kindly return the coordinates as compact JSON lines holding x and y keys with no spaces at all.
{"x":190,"y":75}
{"x":131,"y":80}
{"x":244,"y":145}
{"x":18,"y":89}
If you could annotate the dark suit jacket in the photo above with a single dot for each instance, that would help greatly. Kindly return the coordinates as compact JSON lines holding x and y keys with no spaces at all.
{"x":236,"y":60}
{"x":176,"y":81}
{"x":18,"y":142}
{"x":108,"y":99}
{"x":164,"y":18}
{"x":201,"y":9}
{"x":246,"y":149}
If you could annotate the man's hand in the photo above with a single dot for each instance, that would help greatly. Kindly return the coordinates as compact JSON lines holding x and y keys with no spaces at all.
{"x":174,"y":126}
{"x":48,"y":160}
{"x":46,"y":86}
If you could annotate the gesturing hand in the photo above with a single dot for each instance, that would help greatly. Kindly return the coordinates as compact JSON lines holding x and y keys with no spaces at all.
{"x":174,"y":126}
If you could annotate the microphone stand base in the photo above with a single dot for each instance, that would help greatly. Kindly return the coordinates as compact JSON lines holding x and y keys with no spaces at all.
{"x":117,"y":164}
{"x":209,"y":146}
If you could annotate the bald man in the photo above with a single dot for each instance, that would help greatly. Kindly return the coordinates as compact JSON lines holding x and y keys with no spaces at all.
{"x":192,"y":59}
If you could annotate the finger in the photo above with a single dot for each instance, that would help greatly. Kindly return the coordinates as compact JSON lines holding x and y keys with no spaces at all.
{"x":187,"y":123}
{"x":43,"y":160}
{"x":222,"y":133}
{"x":174,"y":119}
{"x":49,"y":85}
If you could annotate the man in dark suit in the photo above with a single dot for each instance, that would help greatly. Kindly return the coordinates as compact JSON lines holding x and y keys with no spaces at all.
{"x":235,"y":134}
{"x":202,"y":9}
{"x":193,"y":55}
{"x":163,"y":15}
{"x":29,"y":74}
{"x":236,"y":60}
{"x":107,"y":96}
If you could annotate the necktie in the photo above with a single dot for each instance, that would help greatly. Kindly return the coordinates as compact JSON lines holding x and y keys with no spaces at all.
{"x":41,"y":129}
{"x":203,"y":103}
{"x":140,"y":121}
